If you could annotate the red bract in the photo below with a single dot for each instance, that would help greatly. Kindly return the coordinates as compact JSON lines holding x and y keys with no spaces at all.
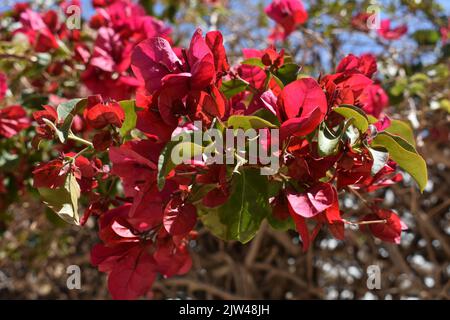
{"x":128,"y":262}
{"x":365,"y":64}
{"x":179,"y":217}
{"x":390,"y":230}
{"x":102,"y":114}
{"x":359,"y":21}
{"x":345,"y":87}
{"x":131,"y":164}
{"x":387,"y":176}
{"x":288,"y":14}
{"x":302,"y":105}
{"x":183,"y":87}
{"x":13,"y":119}
{"x":86,"y":171}
{"x":3,"y":85}
{"x":38,"y":33}
{"x":49,"y":113}
{"x":106,"y":73}
{"x":214,"y":40}
{"x":374,"y":100}
{"x":389,"y":33}
{"x":132,"y":258}
{"x":156,"y":64}
{"x":215,"y":174}
{"x":50,"y":174}
{"x":353,"y":168}
{"x":257,"y":76}
{"x":313,"y":201}
{"x":152,"y":60}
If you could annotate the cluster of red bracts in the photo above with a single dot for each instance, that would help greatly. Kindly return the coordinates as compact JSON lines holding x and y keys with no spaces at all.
{"x":13,"y":119}
{"x":148,"y":230}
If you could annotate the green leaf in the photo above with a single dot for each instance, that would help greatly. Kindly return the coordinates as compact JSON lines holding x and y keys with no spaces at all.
{"x":166,"y":159}
{"x":288,"y":73}
{"x":58,"y":132}
{"x":372,"y":119}
{"x":380,"y":158}
{"x":129,"y":124}
{"x":277,"y":80}
{"x":405,"y":155}
{"x":426,"y":36}
{"x":247,"y":206}
{"x":64,"y":200}
{"x":248,"y":122}
{"x":360,"y":118}
{"x":328,"y":140}
{"x":268,"y":116}
{"x":165,"y":164}
{"x":232,"y":87}
{"x":403,"y":130}
{"x":69,"y":107}
{"x":256,"y":62}
{"x":352,"y":134}
{"x":281,"y":225}
{"x":66,"y":112}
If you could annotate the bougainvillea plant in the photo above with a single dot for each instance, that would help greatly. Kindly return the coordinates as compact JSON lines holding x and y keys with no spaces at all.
{"x":328,"y":136}
{"x":334,"y":138}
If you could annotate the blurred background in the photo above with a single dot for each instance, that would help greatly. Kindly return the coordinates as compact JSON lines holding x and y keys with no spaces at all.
{"x":36,"y":247}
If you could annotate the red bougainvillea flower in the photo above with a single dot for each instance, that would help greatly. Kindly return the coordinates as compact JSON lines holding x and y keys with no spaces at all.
{"x":3,"y":85}
{"x":215,"y":174}
{"x":387,"y":176}
{"x":106,"y":73}
{"x":445,"y":30}
{"x":37,"y":31}
{"x":302,"y":105}
{"x":130,"y":267}
{"x":132,"y":258}
{"x":389,"y":231}
{"x":13,"y":119}
{"x":288,"y":14}
{"x":99,"y":114}
{"x":389,"y":33}
{"x":184,"y":87}
{"x":121,"y":26}
{"x":86,"y":171}
{"x":257,"y":76}
{"x":353,"y":167}
{"x":49,"y":113}
{"x":374,"y":100}
{"x":319,"y":202}
{"x":359,"y":21}
{"x":149,"y":120}
{"x":50,"y":174}
{"x":305,"y":164}
{"x":179,"y":217}
{"x":156,"y":64}
{"x":313,"y":201}
{"x":365,"y":64}
{"x":352,"y":77}
{"x":135,"y":163}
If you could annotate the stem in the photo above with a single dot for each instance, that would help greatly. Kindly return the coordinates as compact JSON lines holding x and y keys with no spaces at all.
{"x":357,"y":224}
{"x":358,"y":195}
{"x":81,"y":152}
{"x":80,"y":140}
{"x":14,"y":56}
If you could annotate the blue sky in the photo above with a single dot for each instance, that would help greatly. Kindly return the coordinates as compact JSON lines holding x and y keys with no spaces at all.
{"x":87,"y":7}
